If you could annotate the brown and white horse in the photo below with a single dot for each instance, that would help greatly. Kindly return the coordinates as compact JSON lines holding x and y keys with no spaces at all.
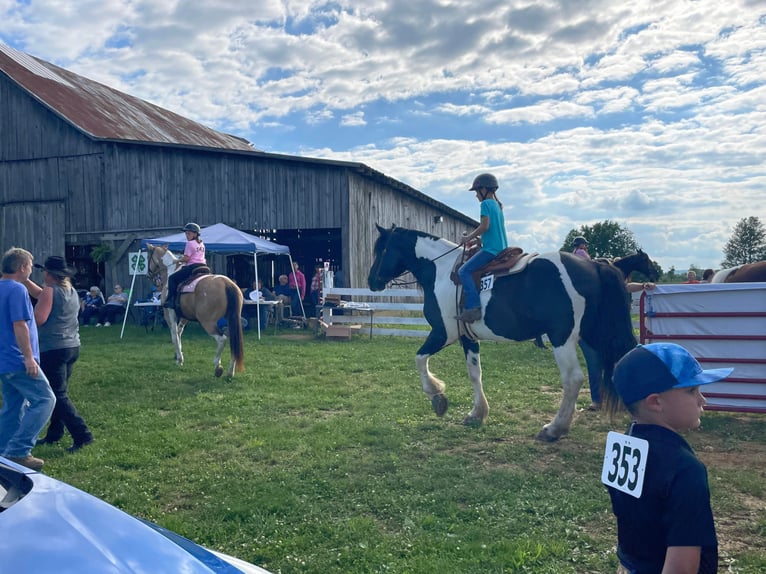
{"x":747,"y":273}
{"x":214,"y":297}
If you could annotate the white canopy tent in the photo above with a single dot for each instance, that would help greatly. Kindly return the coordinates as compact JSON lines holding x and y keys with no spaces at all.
{"x":224,"y":240}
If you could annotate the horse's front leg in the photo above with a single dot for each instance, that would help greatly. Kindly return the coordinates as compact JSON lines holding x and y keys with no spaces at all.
{"x":432,"y":386}
{"x":175,"y":335}
{"x":571,"y":381}
{"x":480,"y":410}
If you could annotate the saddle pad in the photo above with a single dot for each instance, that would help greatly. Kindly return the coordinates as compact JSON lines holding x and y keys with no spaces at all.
{"x":191,"y":285}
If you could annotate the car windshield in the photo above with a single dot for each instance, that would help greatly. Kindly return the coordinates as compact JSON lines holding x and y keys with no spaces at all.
{"x":14,"y":486}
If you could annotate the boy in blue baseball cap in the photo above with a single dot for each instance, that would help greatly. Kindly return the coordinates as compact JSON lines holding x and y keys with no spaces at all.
{"x":667,"y":526}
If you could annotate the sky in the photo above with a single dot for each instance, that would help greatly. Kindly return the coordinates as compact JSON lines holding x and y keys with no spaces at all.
{"x":648,"y":113}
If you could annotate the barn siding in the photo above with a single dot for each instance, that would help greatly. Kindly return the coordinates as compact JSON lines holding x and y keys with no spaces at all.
{"x":59,"y":185}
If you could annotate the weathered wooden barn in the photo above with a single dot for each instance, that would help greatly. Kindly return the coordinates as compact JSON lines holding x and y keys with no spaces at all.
{"x":84,"y":166}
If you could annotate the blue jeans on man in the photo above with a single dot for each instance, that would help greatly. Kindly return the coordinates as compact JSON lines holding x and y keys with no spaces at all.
{"x":595,"y":372}
{"x":27,"y":405}
{"x":472,"y":300}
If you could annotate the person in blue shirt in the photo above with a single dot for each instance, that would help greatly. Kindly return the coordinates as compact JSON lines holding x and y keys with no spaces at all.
{"x":670,"y":527}
{"x":491,"y":230}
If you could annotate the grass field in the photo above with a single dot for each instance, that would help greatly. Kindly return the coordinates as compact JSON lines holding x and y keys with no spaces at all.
{"x":325,"y":457}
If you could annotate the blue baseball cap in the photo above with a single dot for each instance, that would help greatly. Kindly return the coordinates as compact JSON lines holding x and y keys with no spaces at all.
{"x":659,"y":367}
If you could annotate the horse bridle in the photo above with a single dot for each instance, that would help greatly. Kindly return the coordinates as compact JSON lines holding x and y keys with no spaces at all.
{"x":393,"y":280}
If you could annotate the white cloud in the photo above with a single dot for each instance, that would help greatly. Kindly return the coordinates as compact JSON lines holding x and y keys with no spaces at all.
{"x":649,"y":113}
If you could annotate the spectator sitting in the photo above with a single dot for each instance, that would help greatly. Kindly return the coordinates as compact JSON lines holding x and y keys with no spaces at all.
{"x":91,"y":305}
{"x":115,"y":305}
{"x":284,"y":295}
{"x":258,"y":293}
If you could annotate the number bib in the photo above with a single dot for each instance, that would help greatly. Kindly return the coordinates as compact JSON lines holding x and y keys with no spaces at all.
{"x":625,"y":463}
{"x":486,"y":283}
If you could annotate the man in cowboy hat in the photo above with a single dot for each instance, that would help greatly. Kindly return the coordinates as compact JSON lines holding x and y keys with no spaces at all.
{"x":23,"y":381}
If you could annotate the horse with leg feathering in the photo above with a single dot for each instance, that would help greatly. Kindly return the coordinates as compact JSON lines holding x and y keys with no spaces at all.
{"x":214,"y":297}
{"x":558,"y":294}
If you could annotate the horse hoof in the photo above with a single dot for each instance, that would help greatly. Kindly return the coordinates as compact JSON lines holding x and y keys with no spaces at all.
{"x":218,"y":371}
{"x":543,"y":436}
{"x":473,"y":422}
{"x":439,"y":403}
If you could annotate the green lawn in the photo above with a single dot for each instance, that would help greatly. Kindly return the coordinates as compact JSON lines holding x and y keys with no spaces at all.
{"x":325,"y":457}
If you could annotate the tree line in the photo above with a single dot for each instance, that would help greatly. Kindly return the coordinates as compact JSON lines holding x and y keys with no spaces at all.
{"x":609,"y":239}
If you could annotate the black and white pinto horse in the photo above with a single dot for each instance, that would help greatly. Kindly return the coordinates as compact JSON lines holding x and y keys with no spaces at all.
{"x":558,"y":294}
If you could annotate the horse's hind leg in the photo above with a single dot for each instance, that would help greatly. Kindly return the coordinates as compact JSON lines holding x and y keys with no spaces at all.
{"x":571,"y":380}
{"x":480,"y":410}
{"x":221,"y":340}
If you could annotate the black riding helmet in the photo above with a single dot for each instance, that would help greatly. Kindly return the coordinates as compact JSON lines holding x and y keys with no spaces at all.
{"x":486,"y":180}
{"x":192,"y":227}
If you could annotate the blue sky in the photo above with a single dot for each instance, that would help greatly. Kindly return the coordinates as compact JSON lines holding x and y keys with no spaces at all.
{"x":648,"y":113}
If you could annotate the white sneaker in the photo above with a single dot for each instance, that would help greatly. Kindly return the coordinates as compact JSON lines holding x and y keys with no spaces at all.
{"x":107,"y":324}
{"x":99,"y":325}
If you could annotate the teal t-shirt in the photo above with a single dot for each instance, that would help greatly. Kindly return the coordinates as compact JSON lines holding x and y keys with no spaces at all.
{"x":494,"y":239}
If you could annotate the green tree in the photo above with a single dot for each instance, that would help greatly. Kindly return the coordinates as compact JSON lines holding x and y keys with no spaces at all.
{"x":605,"y":239}
{"x":747,"y":243}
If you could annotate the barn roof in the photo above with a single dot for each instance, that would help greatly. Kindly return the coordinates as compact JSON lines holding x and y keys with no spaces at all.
{"x":103,"y":112}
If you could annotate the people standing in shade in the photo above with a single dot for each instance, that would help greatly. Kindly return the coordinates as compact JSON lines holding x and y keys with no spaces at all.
{"x":28,"y":400}
{"x":491,"y":232}
{"x":193,"y":257}
{"x":297,"y":279}
{"x":581,"y":247}
{"x":670,"y":526}
{"x":316,"y":285}
{"x":59,"y":333}
{"x":116,"y":304}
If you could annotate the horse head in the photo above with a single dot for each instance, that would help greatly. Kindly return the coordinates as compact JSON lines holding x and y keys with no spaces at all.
{"x":388,"y":259}
{"x":645,"y":265}
{"x":395,"y":254}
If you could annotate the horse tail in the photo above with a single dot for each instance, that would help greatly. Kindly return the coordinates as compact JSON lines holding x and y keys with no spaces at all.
{"x":615,"y":329}
{"x":234,"y":321}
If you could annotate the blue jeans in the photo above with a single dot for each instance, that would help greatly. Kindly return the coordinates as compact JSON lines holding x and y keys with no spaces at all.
{"x":472,"y":300}
{"x":595,"y":371}
{"x":27,"y":405}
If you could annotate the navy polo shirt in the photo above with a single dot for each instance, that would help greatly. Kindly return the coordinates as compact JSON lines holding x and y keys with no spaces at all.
{"x":674,"y":508}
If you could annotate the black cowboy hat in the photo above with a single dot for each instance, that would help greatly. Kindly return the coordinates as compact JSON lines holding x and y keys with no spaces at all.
{"x":57,"y":266}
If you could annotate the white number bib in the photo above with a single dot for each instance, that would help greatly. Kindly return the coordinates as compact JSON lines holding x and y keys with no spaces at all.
{"x":486,"y":283}
{"x":625,"y":463}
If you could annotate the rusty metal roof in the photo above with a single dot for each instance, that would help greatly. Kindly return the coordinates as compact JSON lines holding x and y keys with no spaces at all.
{"x":105,"y":113}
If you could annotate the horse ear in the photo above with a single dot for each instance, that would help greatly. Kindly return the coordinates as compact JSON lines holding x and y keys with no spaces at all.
{"x":380,"y":229}
{"x":166,"y":246}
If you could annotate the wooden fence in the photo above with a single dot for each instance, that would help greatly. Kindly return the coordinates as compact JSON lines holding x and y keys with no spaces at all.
{"x":397,"y":312}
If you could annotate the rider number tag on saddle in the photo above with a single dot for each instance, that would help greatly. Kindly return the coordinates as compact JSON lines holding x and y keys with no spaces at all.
{"x":486,"y":283}
{"x":625,"y":463}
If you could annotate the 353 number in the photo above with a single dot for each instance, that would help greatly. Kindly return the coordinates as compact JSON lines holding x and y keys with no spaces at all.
{"x":625,"y":463}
